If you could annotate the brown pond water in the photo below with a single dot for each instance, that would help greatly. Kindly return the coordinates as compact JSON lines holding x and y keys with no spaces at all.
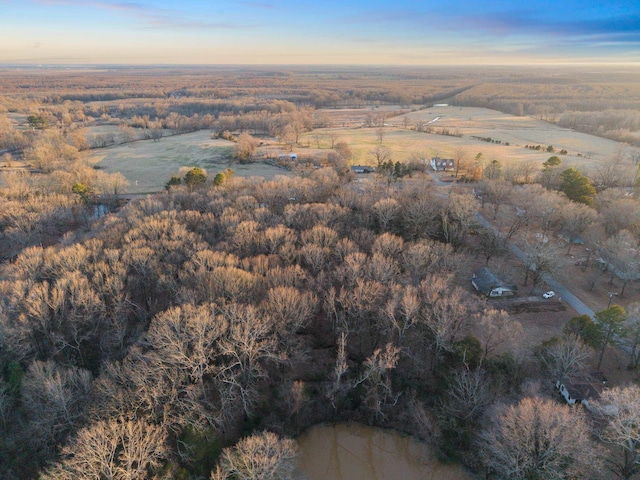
{"x":357,"y":452}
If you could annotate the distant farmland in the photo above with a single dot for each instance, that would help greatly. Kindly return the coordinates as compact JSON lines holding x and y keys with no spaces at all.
{"x":584,"y":151}
{"x":148,"y":165}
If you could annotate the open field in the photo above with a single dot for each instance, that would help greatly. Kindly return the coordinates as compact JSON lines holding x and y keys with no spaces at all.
{"x":148,"y":164}
{"x":471,"y":121}
{"x":352,"y":117}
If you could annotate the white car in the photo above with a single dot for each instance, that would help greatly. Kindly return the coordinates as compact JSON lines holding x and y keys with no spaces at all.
{"x":549,"y":294}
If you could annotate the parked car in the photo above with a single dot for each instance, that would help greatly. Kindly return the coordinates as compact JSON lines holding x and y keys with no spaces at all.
{"x":549,"y":294}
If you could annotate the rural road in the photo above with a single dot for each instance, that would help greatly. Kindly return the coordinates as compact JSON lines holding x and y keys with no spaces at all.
{"x":563,"y":292}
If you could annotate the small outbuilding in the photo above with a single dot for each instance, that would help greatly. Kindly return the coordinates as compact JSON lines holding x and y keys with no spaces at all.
{"x":489,"y":284}
{"x":362,"y":169}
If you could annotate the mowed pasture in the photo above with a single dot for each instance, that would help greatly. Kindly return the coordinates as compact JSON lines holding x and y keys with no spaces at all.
{"x":148,"y":165}
{"x":584,"y":151}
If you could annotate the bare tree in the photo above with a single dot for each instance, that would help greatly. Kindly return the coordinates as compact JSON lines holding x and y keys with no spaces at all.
{"x":496,"y":328}
{"x":402,"y":310}
{"x":619,"y":214}
{"x":380,"y":155}
{"x":383,"y":269}
{"x":245,"y":147}
{"x":376,"y":379}
{"x":539,"y":438}
{"x":276,"y":237}
{"x":491,"y":243}
{"x":447,"y":310}
{"x":612,"y":173}
{"x":54,"y":399}
{"x":428,"y":257}
{"x":290,"y":309}
{"x":497,"y":192}
{"x":541,"y":205}
{"x":115,"y":449}
{"x":341,"y":366}
{"x":541,"y":259}
{"x":458,"y":216}
{"x":468,"y":394}
{"x":361,"y":307}
{"x":566,"y":358}
{"x":622,"y":254}
{"x":247,"y":348}
{"x":461,"y":159}
{"x":321,"y":236}
{"x":420,"y":217}
{"x":261,"y":456}
{"x":387,"y":211}
{"x":619,"y":410}
{"x":186,"y":338}
{"x":289,"y":136}
{"x":388,"y":245}
{"x":575,"y":218}
{"x":315,"y":257}
{"x":524,"y":171}
{"x":333,"y":137}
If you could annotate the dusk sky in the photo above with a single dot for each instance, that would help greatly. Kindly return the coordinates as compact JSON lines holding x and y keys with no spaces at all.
{"x":399,"y":32}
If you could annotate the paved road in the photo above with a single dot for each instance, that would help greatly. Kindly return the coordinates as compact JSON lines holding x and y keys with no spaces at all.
{"x":563,"y":292}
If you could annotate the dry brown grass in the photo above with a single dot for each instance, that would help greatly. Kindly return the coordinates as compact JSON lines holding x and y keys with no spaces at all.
{"x":148,"y":165}
{"x":584,"y":151}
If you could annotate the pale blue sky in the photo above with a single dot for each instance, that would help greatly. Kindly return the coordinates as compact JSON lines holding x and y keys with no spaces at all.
{"x":401,"y":32}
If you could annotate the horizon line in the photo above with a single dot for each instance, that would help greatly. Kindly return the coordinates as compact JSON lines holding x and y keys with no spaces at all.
{"x":356,"y":65}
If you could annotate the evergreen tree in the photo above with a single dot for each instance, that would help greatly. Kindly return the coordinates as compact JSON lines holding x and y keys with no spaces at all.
{"x":195,"y":176}
{"x":577,"y":187}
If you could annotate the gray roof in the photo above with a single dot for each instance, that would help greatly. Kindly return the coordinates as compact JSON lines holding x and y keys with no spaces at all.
{"x":362,"y":169}
{"x":484,"y":280}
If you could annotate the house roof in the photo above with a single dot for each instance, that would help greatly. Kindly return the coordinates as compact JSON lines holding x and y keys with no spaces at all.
{"x":484,"y":280}
{"x":362,"y":169}
{"x":583,"y":391}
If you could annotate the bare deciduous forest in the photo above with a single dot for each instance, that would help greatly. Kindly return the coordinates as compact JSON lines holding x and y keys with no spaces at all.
{"x":195,"y":332}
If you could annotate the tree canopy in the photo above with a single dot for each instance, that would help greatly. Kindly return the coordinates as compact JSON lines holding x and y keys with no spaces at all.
{"x":577,"y":187}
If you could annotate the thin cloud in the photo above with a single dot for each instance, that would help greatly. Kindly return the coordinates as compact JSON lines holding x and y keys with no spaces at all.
{"x":153,"y":17}
{"x":520,"y":22}
{"x":509,"y":21}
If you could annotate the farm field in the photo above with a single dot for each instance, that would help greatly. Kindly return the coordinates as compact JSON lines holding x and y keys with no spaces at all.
{"x":147,"y":165}
{"x":470,"y":121}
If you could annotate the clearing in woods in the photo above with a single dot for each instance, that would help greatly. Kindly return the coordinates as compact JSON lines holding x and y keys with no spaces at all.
{"x":148,"y":165}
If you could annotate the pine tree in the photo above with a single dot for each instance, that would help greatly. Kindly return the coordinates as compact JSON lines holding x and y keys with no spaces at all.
{"x":577,"y":187}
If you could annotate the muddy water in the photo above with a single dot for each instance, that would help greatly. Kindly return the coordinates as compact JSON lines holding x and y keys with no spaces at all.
{"x":358,"y":452}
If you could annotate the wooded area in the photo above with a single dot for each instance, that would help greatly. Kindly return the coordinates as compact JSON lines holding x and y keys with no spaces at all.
{"x":195,"y":332}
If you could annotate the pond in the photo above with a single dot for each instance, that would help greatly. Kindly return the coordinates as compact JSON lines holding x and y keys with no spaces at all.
{"x":352,"y":451}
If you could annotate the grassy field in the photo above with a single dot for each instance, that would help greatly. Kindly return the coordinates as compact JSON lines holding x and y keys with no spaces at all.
{"x":148,"y":164}
{"x":584,"y":151}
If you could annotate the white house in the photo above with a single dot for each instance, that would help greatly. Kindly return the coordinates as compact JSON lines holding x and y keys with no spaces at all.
{"x":441,"y":164}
